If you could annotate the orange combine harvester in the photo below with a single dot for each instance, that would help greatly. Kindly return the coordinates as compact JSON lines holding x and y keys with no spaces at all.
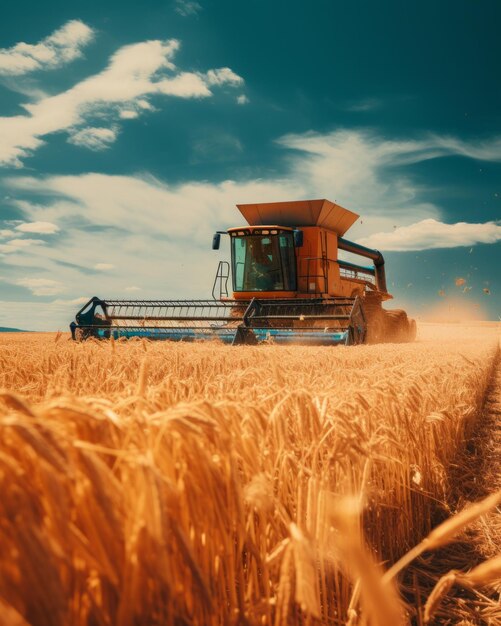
{"x":289,"y":286}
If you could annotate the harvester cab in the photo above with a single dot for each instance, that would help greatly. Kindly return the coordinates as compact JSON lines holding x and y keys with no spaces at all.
{"x":290,"y":250}
{"x":288,"y":286}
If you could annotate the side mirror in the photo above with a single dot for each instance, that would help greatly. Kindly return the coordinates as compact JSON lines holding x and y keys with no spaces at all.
{"x":216,"y":241}
{"x":298,"y":238}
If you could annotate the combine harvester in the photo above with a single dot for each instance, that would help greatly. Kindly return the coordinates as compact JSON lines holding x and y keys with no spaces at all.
{"x":289,"y":286}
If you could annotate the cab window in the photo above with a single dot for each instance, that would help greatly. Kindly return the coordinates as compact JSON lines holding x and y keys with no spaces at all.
{"x":264,"y":262}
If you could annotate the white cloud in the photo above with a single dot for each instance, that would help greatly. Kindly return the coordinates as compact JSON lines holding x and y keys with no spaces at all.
{"x":346,"y":166}
{"x":184,"y":85}
{"x":93,"y":138}
{"x":187,"y":7}
{"x":128,"y":114}
{"x":41,"y":286}
{"x":134,"y":73}
{"x":49,"y":316}
{"x":14,"y":245}
{"x":147,"y":206}
{"x":102,"y":267}
{"x":388,"y":152}
{"x":7,"y":233}
{"x":431,"y":233}
{"x":63,"y":46}
{"x":132,"y":288}
{"x":353,"y":168}
{"x":73,"y":301}
{"x":489,"y":150}
{"x":41,"y":228}
{"x":349,"y":167}
{"x":242,"y":99}
{"x":145,"y":105}
{"x":222,"y":76}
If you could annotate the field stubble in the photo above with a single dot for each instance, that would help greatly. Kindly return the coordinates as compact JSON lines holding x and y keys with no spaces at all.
{"x":159,"y":483}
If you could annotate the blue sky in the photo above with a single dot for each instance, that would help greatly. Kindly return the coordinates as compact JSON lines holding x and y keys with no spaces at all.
{"x":128,"y":132}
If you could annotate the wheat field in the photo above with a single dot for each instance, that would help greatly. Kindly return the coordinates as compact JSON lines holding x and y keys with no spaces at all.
{"x":177,"y":484}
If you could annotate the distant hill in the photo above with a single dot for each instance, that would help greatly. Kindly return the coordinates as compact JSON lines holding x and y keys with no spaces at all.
{"x":3,"y":329}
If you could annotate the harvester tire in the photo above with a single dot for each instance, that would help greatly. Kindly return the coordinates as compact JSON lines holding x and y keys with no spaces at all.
{"x":397,"y":326}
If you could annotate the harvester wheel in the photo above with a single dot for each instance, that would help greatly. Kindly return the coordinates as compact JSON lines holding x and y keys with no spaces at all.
{"x":397,"y":326}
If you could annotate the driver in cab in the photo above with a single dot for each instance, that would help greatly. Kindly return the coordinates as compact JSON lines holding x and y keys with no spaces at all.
{"x":263,"y":272}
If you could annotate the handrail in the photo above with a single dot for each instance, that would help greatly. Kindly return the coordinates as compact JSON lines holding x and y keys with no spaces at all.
{"x":221,"y":276}
{"x":346,"y":265}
